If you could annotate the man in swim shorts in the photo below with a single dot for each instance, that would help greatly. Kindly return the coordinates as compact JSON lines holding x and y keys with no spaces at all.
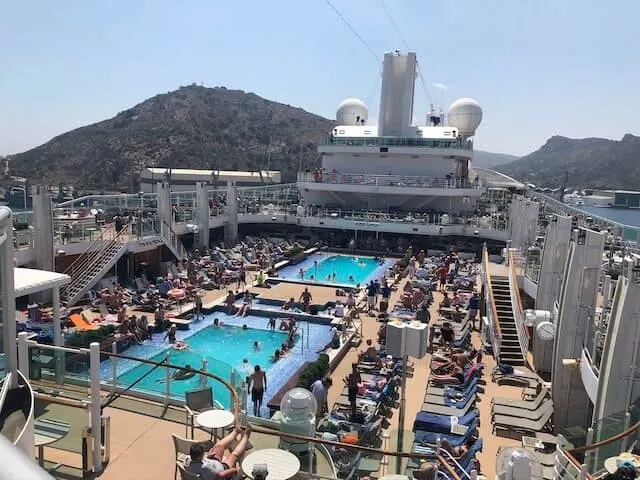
{"x":257,"y":386}
{"x":217,"y":463}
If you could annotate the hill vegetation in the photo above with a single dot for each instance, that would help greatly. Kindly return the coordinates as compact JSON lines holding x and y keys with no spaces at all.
{"x":192,"y":127}
{"x":588,"y":162}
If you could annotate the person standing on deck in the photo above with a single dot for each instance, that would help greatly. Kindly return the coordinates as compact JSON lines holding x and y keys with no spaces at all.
{"x":306,"y":298}
{"x":474,"y":304}
{"x":242,"y":277}
{"x":257,"y":386}
{"x":352,"y":381}
{"x":198,"y":305}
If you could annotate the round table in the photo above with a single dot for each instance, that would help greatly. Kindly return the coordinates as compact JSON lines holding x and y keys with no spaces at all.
{"x":215,"y":419}
{"x":281,"y":464}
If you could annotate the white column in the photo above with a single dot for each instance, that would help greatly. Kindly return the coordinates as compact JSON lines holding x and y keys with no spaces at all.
{"x":94,"y":409}
{"x":57,"y":336}
{"x":9,"y":300}
{"x":203,"y":214}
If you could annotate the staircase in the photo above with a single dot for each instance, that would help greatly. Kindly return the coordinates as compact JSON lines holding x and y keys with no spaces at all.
{"x":510,"y":351}
{"x":95,"y":263}
{"x":172,"y":241}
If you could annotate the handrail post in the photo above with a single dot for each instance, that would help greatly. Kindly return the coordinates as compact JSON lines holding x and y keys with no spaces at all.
{"x":95,"y":421}
{"x":233,"y":383}
{"x":588,"y":454}
{"x":114,"y":365}
{"x":167,"y":379}
{"x":627,"y":423}
{"x":584,"y":472}
{"x":23,"y":354}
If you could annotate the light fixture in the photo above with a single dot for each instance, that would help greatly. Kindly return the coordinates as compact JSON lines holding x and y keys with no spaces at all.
{"x":571,"y":362}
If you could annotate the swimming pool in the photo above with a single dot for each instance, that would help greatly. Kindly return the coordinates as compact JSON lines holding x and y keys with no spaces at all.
{"x":224,"y":349}
{"x":337,"y":269}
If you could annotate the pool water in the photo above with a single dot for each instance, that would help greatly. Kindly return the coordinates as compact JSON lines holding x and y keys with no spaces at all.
{"x":340,"y":269}
{"x":224,"y":349}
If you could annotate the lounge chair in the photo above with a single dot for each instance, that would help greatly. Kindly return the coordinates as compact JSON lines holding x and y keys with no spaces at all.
{"x":450,"y":411}
{"x":452,"y":389}
{"x":517,"y":424}
{"x":430,"y":422}
{"x":524,"y":404}
{"x":449,"y":401}
{"x":523,"y":413}
{"x":431,"y":438}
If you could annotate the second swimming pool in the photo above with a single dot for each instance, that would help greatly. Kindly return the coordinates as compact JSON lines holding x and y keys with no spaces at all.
{"x":338,"y":269}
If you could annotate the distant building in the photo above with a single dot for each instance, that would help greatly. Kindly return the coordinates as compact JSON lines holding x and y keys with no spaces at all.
{"x":183,"y":179}
{"x":626,"y":199}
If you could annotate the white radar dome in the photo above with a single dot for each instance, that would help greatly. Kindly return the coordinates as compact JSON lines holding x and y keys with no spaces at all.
{"x":465,"y":114}
{"x":352,"y":111}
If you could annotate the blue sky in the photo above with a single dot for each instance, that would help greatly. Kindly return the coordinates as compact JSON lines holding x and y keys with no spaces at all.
{"x":538,"y":67}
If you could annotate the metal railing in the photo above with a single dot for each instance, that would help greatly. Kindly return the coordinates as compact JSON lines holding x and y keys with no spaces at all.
{"x":492,"y":311}
{"x":386,"y":180}
{"x":173,"y":241}
{"x":516,"y":303}
{"x":456,"y":143}
{"x":627,"y":232}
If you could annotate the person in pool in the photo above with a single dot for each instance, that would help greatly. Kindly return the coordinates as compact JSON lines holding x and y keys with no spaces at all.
{"x":256,"y":346}
{"x":184,"y":373}
{"x":170,"y":336}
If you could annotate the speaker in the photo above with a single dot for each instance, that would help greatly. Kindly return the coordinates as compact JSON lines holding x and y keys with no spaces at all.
{"x":417,"y":339}
{"x":396,"y":340}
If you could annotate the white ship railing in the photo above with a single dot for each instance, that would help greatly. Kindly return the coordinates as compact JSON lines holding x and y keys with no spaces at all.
{"x":397,"y":142}
{"x":404,"y":181}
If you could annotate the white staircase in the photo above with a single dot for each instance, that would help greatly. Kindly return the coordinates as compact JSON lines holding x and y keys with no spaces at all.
{"x":95,"y":263}
{"x":172,"y":241}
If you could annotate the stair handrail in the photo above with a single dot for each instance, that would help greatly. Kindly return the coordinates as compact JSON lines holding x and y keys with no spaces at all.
{"x":94,"y":250}
{"x":173,"y":239}
{"x":516,"y":304}
{"x":492,"y":311}
{"x":81,"y":279}
{"x":86,"y":259}
{"x":94,"y":247}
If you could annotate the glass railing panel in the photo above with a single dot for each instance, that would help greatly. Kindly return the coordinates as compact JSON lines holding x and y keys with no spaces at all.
{"x":183,"y":199}
{"x":397,"y":142}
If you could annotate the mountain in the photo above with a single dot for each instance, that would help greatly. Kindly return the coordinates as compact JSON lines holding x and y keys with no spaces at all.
{"x":590,"y":162}
{"x":192,"y":127}
{"x":490,"y":160}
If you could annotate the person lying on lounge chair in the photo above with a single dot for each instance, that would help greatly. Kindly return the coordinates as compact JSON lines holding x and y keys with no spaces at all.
{"x":455,"y":377}
{"x":459,"y":451}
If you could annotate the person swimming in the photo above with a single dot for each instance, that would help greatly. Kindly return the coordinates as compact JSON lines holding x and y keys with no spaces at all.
{"x":180,"y":345}
{"x":184,"y":373}
{"x":256,"y":346}
{"x":244,"y":327}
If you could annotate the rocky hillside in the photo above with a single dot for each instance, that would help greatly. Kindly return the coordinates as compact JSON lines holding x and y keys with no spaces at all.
{"x":491,"y":160}
{"x":589,"y":162}
{"x":193,"y":127}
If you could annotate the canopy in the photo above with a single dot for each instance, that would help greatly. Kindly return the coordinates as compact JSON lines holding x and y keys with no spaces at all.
{"x":30,"y":280}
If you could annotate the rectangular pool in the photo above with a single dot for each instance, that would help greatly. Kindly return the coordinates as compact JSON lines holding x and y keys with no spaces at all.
{"x":337,"y":269}
{"x":223,"y":348}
